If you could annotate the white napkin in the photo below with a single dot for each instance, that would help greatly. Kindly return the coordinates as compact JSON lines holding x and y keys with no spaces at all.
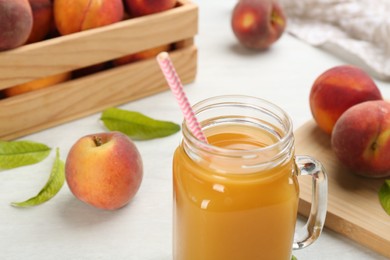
{"x":356,"y":30}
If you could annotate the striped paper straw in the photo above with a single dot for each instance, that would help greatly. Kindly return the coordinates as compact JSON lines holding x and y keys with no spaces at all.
{"x":177,"y":88}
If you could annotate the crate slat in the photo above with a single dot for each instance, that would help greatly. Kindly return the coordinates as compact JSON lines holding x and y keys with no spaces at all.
{"x":74,"y":99}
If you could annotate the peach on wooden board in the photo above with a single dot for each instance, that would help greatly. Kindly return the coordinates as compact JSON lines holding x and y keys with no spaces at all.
{"x":257,"y":24}
{"x":79,"y":15}
{"x":37,"y":84}
{"x":42,"y":11}
{"x":16,"y":21}
{"x":361,"y":138}
{"x":145,"y":7}
{"x":104,"y":170}
{"x":338,"y":89}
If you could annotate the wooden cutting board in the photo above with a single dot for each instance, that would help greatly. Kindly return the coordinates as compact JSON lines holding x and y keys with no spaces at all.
{"x":354,"y":209}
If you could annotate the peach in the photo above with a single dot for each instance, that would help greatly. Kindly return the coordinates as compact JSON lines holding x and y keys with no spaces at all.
{"x":145,"y":7}
{"x":79,"y":15}
{"x":257,"y":24}
{"x":104,"y":170}
{"x":141,"y":55}
{"x":37,"y":84}
{"x":361,"y":138}
{"x":42,"y":11}
{"x":338,"y":89}
{"x":16,"y":21}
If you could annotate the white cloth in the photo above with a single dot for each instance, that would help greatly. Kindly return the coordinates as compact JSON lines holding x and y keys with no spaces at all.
{"x":356,"y":30}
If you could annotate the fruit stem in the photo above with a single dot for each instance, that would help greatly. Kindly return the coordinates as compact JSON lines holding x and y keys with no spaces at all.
{"x":98,"y":140}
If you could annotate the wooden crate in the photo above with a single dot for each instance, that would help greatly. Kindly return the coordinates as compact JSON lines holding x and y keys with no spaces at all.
{"x":44,"y":108}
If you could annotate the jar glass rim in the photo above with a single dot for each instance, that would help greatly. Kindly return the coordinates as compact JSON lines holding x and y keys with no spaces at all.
{"x":245,"y":101}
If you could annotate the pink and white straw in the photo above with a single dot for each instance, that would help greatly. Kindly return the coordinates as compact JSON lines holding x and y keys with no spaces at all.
{"x":177,"y":88}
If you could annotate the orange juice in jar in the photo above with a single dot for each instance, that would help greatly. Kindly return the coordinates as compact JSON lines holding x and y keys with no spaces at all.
{"x":236,"y":197}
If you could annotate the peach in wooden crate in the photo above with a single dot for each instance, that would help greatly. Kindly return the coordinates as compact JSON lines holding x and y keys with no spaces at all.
{"x":43,"y":108}
{"x":42,"y":11}
{"x":37,"y":84}
{"x":149,"y":53}
{"x":79,"y":15}
{"x":145,"y":7}
{"x":15,"y":23}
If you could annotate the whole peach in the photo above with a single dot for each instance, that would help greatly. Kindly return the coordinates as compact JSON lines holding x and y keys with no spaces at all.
{"x":16,"y":21}
{"x":79,"y":15}
{"x":42,"y":11}
{"x":104,"y":170}
{"x":257,"y":24}
{"x":338,"y":89}
{"x":361,"y":138}
{"x":145,"y":7}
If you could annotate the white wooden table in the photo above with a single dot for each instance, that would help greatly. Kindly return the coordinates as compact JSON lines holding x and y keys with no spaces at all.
{"x":65,"y":228}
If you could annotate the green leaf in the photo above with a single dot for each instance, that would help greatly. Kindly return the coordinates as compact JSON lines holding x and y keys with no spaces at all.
{"x":52,"y":186}
{"x":19,"y":153}
{"x":294,"y":258}
{"x":136,"y":125}
{"x":384,"y":196}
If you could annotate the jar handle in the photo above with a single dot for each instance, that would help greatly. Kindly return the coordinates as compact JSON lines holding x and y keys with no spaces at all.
{"x":309,"y":233}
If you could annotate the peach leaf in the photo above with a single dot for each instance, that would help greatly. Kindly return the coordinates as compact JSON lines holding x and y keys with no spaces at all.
{"x":136,"y":125}
{"x":20,"y":153}
{"x":52,"y":187}
{"x":384,"y":196}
